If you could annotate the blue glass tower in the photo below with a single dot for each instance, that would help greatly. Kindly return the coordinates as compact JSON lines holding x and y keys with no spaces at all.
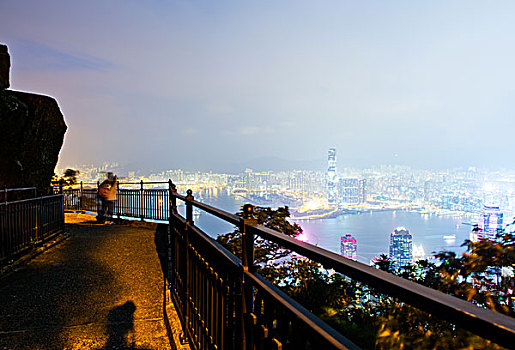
{"x":401,"y":247}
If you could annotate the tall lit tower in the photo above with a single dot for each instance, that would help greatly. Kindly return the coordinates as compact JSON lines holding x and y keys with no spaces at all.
{"x":401,"y":247}
{"x":332,"y":178}
{"x":349,"y":247}
{"x":490,"y":223}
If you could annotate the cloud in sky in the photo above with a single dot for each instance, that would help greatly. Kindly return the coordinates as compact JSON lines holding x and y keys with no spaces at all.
{"x":39,"y":57}
{"x":431,"y":82}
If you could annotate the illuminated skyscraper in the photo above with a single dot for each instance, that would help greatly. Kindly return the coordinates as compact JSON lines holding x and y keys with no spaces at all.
{"x":349,"y":247}
{"x":332,"y":178}
{"x":401,"y":247}
{"x":490,"y":223}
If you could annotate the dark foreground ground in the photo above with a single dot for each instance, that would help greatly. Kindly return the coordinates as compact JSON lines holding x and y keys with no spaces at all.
{"x":101,"y":288}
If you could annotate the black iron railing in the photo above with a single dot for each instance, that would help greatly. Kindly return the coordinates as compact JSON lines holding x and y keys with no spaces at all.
{"x":133,"y":200}
{"x":28,"y":222}
{"x":223,"y":303}
{"x":7,"y":194}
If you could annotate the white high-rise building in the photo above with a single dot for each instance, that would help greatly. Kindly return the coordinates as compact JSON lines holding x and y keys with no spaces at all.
{"x":490,"y":223}
{"x":332,"y":177}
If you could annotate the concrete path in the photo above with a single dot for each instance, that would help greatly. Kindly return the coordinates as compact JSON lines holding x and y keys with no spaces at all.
{"x":102,"y":288}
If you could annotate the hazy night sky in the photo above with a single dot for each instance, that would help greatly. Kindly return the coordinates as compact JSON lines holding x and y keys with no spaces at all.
{"x":432,"y":82}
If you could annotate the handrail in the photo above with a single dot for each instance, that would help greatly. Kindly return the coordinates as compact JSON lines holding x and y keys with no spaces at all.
{"x":221,"y":214}
{"x":334,"y":338}
{"x":30,"y":199}
{"x":20,"y":189}
{"x":214,"y":244}
{"x":27,"y":223}
{"x":476,"y":319}
{"x":197,"y":258}
{"x":486,"y":323}
{"x":5,"y":191}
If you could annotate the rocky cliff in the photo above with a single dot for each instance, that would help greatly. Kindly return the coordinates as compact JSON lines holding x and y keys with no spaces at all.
{"x":32,"y":130}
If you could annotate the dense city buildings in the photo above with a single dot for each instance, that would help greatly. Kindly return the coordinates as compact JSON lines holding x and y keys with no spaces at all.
{"x":332,"y":192}
{"x":386,"y":187}
{"x":401,"y":247}
{"x":349,"y":247}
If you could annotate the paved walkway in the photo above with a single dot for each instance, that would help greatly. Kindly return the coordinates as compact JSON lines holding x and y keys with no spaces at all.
{"x":102,"y":288}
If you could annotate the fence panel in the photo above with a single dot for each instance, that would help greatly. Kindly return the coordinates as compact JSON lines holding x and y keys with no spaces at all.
{"x":271,"y":318}
{"x":141,"y":204}
{"x":206,"y":284}
{"x":26,"y":223}
{"x":128,"y":203}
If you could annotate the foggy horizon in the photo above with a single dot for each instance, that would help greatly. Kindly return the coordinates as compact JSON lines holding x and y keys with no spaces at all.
{"x":204,"y":85}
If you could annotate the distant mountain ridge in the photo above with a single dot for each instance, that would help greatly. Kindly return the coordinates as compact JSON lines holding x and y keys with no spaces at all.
{"x":275,"y":164}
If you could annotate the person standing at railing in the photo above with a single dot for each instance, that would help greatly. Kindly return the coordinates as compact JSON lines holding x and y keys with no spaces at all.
{"x":107,"y":193}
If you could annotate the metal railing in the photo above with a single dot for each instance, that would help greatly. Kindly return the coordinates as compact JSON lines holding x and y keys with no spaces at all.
{"x":28,"y":222}
{"x":26,"y":191}
{"x":142,"y":203}
{"x":223,"y":303}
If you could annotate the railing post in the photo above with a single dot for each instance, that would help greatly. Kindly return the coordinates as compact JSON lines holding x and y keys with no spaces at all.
{"x":117,"y":202}
{"x":189,"y":207}
{"x":172,"y":207}
{"x":61,"y":186}
{"x":39,"y":218}
{"x":61,"y":207}
{"x":187,"y":260}
{"x":173,"y":199}
{"x":80,"y":198}
{"x":142,"y":202}
{"x":248,"y":317}
{"x":97,"y":199}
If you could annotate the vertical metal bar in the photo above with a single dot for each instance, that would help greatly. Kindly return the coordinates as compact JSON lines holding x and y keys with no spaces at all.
{"x":187,"y":283}
{"x":189,"y":207}
{"x":116,"y":204}
{"x":174,"y":199}
{"x":39,"y":218}
{"x":248,"y":266}
{"x":142,"y":201}
{"x":80,"y":198}
{"x":169,"y":246}
{"x":97,"y":197}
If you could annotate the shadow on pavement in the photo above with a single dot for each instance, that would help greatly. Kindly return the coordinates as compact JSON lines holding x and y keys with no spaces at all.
{"x":120,"y":321}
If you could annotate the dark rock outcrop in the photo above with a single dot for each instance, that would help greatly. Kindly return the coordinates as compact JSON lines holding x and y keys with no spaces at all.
{"x":5,"y":66}
{"x":32,"y":130}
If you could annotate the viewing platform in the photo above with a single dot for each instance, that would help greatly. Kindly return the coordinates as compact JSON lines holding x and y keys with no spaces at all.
{"x":98,"y":287}
{"x":134,"y":284}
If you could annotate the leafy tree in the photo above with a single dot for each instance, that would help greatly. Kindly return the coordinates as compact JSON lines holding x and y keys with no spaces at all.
{"x":476,"y":275}
{"x":374,"y":320}
{"x":265,"y":252}
{"x":69,"y":177}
